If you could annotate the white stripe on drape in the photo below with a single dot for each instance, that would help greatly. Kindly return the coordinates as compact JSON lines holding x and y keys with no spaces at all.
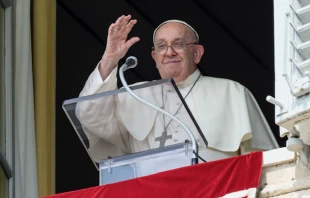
{"x":249,"y":193}
{"x":25,"y":148}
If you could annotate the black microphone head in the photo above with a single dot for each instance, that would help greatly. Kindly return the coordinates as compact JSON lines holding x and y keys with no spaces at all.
{"x":131,"y":62}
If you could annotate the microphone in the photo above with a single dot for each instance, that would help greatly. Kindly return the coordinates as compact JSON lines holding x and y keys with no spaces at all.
{"x":131,"y":62}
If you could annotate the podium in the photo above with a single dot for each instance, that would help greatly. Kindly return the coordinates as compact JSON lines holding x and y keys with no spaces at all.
{"x":110,"y":126}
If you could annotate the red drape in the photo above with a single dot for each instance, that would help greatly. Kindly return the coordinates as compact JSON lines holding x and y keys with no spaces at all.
{"x":211,"y":179}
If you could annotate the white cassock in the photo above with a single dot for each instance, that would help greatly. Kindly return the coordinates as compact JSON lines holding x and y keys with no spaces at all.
{"x":226,"y":112}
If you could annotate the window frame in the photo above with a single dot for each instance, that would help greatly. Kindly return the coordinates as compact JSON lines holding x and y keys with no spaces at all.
{"x":7,"y":96}
{"x":5,"y":3}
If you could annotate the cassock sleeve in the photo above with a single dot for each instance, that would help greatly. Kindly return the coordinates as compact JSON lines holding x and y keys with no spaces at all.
{"x":99,"y":118}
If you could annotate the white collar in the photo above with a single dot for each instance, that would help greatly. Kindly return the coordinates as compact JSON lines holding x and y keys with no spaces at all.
{"x":189,"y":80}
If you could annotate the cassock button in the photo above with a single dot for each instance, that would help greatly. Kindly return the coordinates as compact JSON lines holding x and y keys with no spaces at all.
{"x":175,"y":139}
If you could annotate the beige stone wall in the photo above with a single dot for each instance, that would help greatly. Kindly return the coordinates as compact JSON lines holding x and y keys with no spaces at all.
{"x":289,"y":178}
{"x":298,"y":194}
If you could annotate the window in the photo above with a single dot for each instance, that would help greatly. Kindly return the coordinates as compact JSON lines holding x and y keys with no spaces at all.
{"x":2,"y":138}
{"x":6,"y":90}
{"x":3,"y":179}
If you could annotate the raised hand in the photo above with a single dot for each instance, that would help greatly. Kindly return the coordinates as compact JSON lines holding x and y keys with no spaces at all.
{"x":117,"y":44}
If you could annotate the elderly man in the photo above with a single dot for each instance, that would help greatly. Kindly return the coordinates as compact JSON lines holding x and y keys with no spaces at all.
{"x":226,"y":111}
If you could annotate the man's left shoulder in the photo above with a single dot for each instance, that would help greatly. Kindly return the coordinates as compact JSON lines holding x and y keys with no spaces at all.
{"x":220,"y":82}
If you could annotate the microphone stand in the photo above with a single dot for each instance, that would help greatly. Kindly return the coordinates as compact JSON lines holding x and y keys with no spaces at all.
{"x":131,"y":62}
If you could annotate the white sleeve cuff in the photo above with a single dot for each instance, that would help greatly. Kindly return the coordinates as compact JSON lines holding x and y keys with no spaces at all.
{"x":95,"y":84}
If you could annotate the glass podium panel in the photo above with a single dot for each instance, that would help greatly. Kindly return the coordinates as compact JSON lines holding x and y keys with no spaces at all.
{"x":113,"y":124}
{"x":144,"y":163}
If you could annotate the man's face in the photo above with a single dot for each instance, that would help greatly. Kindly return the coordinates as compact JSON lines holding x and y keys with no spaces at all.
{"x":176,"y":64}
